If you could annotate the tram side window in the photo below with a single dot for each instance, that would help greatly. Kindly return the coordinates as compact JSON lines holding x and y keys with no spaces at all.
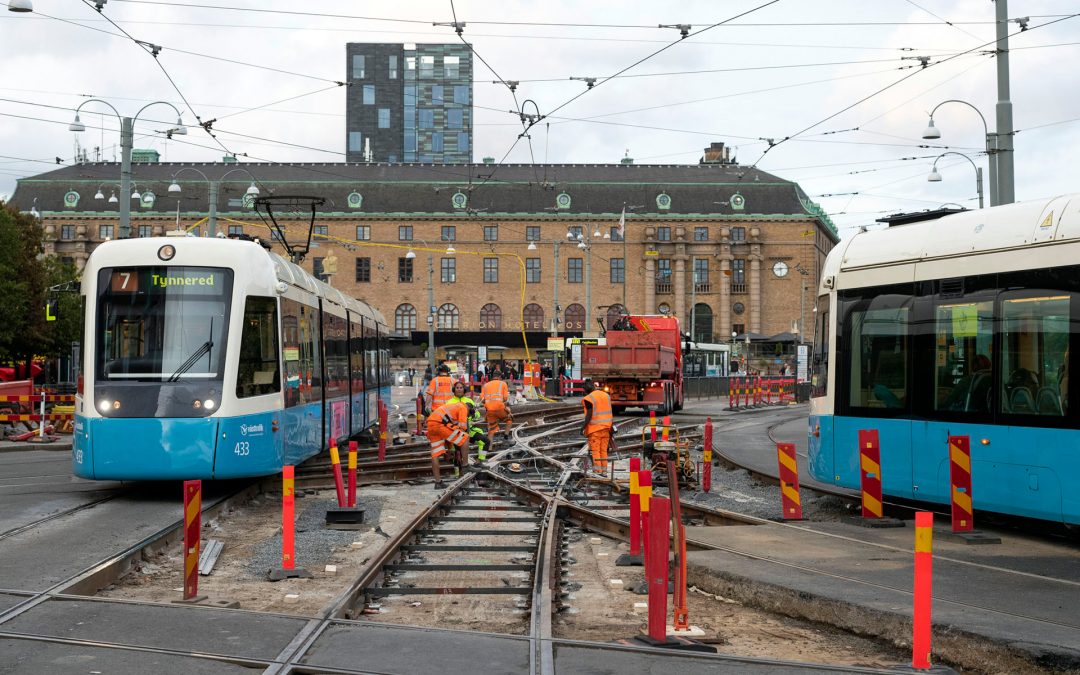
{"x":356,"y":357}
{"x":300,"y":335}
{"x":880,"y":349}
{"x":1035,"y":353}
{"x":819,"y":379}
{"x":963,"y":341}
{"x":257,"y":372}
{"x":335,"y":353}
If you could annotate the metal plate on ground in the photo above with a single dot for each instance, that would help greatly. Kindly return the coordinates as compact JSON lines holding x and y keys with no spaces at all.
{"x":180,"y":627}
{"x":420,"y":651}
{"x":36,"y":656}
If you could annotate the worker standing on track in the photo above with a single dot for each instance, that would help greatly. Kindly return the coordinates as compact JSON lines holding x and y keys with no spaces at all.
{"x":476,"y":435}
{"x":447,"y":424}
{"x":440,"y":390}
{"x":495,"y":396}
{"x":597,"y":424}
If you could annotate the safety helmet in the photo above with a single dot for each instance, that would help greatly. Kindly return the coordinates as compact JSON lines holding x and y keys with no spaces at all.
{"x":443,"y":369}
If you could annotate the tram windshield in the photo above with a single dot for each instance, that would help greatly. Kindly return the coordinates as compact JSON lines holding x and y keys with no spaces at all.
{"x":162,"y":324}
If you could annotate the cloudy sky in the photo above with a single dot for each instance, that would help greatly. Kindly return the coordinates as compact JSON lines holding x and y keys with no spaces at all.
{"x":839,"y":79}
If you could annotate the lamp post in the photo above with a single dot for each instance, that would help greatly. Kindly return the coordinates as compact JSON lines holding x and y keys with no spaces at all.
{"x":935,"y":177}
{"x":1001,"y":182}
{"x":555,"y":291}
{"x":215,"y":184}
{"x":127,"y":141}
{"x":584,"y":242}
{"x":622,"y":227}
{"x":432,"y":309}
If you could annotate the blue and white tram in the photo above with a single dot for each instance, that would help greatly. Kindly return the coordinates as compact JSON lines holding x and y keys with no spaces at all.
{"x":956,"y":326}
{"x":214,"y":358}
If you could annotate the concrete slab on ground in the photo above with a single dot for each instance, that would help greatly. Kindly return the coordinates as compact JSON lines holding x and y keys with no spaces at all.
{"x":7,"y":601}
{"x":37,"y":656}
{"x":182,"y":628}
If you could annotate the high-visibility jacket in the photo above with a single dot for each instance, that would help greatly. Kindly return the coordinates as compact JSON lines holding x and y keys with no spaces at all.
{"x":601,"y":411}
{"x":466,"y":399}
{"x":495,"y":390}
{"x":450,"y":415}
{"x":441,"y":390}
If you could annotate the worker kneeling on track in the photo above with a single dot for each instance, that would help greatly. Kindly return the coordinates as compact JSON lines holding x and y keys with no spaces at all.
{"x":476,"y":435}
{"x":447,"y":424}
{"x":597,"y":426}
{"x":495,"y":397}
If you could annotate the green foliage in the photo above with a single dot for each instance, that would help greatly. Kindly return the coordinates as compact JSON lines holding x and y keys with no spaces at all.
{"x":25,"y":276}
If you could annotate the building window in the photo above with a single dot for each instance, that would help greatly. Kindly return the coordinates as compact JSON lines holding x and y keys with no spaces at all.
{"x":363,"y":233}
{"x":404,"y":270}
{"x":450,"y":67}
{"x":437,"y":141}
{"x":317,"y":269}
{"x":491,"y":233}
{"x":575,"y":317}
{"x":427,"y":118}
{"x":532,"y":270}
{"x":615,"y":234}
{"x":573,"y":270}
{"x":410,"y":63}
{"x":356,"y":141}
{"x":436,"y":94}
{"x":427,"y":66}
{"x":701,"y":234}
{"x":405,"y":318}
{"x":384,"y":118}
{"x":454,"y":118}
{"x":358,"y":66}
{"x":105,"y":231}
{"x":410,"y":143}
{"x":461,"y":94}
{"x":663,"y":270}
{"x":392,"y":159}
{"x":663,"y":233}
{"x":449,"y":233}
{"x":448,"y":270}
{"x":236,"y":229}
{"x":701,"y":271}
{"x":738,"y":234}
{"x":738,"y":275}
{"x":491,"y":270}
{"x":738,"y":328}
{"x":533,"y":316}
{"x":392,"y":67}
{"x":369,"y":94}
{"x":463,"y":141}
{"x":532,"y":233}
{"x":404,"y":232}
{"x":321,"y":230}
{"x":448,"y":317}
{"x":67,"y":231}
{"x":427,"y":158}
{"x":148,"y":231}
{"x":575,"y":231}
{"x":363,"y":270}
{"x":618,"y":271}
{"x":490,"y":317}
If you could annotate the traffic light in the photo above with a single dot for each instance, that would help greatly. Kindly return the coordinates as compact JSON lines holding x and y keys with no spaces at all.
{"x":52,"y":308}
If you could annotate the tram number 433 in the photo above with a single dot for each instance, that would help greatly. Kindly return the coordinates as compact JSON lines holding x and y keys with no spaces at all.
{"x":243,"y":448}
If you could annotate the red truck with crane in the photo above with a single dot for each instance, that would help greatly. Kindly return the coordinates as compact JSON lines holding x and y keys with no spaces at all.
{"x":641,"y":365}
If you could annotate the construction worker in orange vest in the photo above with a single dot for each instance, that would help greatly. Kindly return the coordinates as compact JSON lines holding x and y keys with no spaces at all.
{"x":440,"y":390}
{"x":449,"y":423}
{"x":495,"y":397}
{"x":597,"y":425}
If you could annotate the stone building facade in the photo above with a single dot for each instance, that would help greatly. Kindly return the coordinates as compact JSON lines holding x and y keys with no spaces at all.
{"x":738,"y":246}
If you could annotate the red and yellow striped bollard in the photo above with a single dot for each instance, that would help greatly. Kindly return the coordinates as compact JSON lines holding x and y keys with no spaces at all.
{"x":924,"y":562}
{"x":192,"y":532}
{"x":789,"y":481}
{"x":963,"y":514}
{"x":870,"y":473}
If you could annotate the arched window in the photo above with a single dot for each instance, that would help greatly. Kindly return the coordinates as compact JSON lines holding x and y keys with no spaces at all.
{"x":447,"y":317}
{"x":490,"y":317}
{"x":702,"y":323}
{"x":533,"y":315}
{"x":575,"y":318}
{"x":405,"y":318}
{"x":614,"y":313}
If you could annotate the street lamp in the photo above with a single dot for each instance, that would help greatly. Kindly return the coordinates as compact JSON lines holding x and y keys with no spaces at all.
{"x":20,"y":6}
{"x":935,"y":177}
{"x":215,"y":184}
{"x":127,"y":141}
{"x":584,"y":243}
{"x":622,"y":229}
{"x":432,"y":309}
{"x":1001,"y":182}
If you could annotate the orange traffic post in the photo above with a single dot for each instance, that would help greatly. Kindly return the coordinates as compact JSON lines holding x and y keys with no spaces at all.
{"x":706,"y":456}
{"x":656,"y":566}
{"x":352,"y":474}
{"x":924,"y":564}
{"x":192,"y":531}
{"x":665,"y":431}
{"x":419,"y":414}
{"x":680,"y":614}
{"x":870,"y":472}
{"x":383,"y":423}
{"x":288,"y":569}
{"x":652,"y":425}
{"x":644,"y":498}
{"x":963,"y":514}
{"x":633,"y":558}
{"x":789,"y":481}
{"x":335,"y":464}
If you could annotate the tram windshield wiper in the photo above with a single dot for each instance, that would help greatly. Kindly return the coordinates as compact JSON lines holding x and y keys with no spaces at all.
{"x":191,"y":360}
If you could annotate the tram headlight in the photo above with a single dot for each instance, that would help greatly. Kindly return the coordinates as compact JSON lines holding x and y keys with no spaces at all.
{"x":105,"y":406}
{"x":209,"y":404}
{"x":196,"y":404}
